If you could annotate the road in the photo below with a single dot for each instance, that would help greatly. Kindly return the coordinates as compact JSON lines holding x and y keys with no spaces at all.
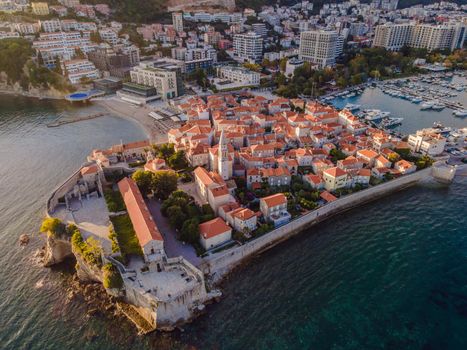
{"x":172,"y":246}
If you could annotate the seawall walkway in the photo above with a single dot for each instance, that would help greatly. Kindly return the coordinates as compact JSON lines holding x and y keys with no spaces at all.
{"x":220,"y":264}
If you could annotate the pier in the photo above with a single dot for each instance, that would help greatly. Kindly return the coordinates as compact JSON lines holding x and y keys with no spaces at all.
{"x":60,"y":122}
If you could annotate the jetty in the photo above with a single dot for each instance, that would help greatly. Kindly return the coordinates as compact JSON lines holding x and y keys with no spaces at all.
{"x":60,"y":121}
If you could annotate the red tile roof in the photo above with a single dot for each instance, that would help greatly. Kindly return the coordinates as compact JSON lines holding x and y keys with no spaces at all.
{"x":213,"y":228}
{"x":143,"y":223}
{"x":328,"y":197}
{"x":275,"y":200}
{"x":335,"y":172}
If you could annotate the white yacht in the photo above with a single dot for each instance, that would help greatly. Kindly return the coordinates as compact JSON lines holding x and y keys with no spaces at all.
{"x":352,"y":107}
{"x":426,"y":105}
{"x":460,"y":113}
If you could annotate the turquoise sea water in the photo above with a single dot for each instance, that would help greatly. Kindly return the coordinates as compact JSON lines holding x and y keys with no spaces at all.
{"x":389,"y":275}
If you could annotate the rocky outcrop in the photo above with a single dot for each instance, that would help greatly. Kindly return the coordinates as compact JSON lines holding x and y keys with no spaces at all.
{"x":56,"y":251}
{"x":87,"y":272}
{"x":41,"y":93}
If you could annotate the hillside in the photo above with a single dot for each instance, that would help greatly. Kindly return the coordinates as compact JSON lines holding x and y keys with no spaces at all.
{"x":157,"y":10}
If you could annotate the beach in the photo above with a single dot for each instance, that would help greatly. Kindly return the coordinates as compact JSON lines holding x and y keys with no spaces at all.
{"x":140,"y":114}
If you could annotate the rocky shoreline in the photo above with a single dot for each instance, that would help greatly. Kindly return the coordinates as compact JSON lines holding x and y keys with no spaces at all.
{"x":41,"y":94}
{"x":88,"y":292}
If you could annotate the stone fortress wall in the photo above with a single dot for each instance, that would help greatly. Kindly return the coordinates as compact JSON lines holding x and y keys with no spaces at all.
{"x":220,"y":264}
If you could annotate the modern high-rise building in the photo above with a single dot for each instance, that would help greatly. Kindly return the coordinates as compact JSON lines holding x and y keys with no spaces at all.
{"x":177,"y":21}
{"x":393,"y":36}
{"x":260,"y":29}
{"x":389,"y":5}
{"x":163,"y":76}
{"x":319,"y":47}
{"x":248,"y":46}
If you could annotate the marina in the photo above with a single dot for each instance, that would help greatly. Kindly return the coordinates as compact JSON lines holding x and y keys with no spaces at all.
{"x":406,"y":105}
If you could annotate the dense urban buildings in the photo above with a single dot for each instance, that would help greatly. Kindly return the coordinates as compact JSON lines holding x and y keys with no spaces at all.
{"x":318,"y":47}
{"x":393,"y":36}
{"x":248,"y":47}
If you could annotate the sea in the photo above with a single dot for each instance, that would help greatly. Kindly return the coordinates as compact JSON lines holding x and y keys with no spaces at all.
{"x":391,"y":274}
{"x":414,"y":117}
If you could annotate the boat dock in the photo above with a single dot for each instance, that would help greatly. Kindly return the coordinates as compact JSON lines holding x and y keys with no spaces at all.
{"x":60,"y":122}
{"x":454,"y":105}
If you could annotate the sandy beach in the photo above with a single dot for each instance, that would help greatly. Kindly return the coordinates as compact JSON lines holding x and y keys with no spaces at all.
{"x":155,"y":129}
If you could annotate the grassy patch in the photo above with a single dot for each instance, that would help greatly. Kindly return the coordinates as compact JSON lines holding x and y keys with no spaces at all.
{"x":89,"y":249}
{"x":126,"y":237}
{"x":114,"y":201}
{"x":112,"y":278}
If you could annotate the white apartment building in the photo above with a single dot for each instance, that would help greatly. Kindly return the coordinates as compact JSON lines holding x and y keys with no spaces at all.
{"x":248,"y":46}
{"x":108,"y":35}
{"x":40,"y":8}
{"x":424,"y":36}
{"x":71,"y":24}
{"x":164,"y":80}
{"x":260,"y":29}
{"x":27,"y":28}
{"x":177,"y":21}
{"x":427,"y":142}
{"x":78,"y":69}
{"x":51,"y":25}
{"x":319,"y":47}
{"x":62,"y":45}
{"x":69,"y":3}
{"x":239,"y":75}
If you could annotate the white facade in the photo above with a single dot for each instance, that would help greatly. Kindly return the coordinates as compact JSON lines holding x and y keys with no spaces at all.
{"x":318,"y":46}
{"x":211,"y":242}
{"x":51,"y":25}
{"x":334,"y":179}
{"x":427,"y":143}
{"x":291,"y":65}
{"x":79,"y":69}
{"x":165,"y":81}
{"x":424,"y":36}
{"x":248,"y":46}
{"x":109,"y":36}
{"x":239,"y":75}
{"x":177,"y":21}
{"x":225,"y":164}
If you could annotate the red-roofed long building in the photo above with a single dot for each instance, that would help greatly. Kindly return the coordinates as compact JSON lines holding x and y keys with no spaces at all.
{"x":149,"y":237}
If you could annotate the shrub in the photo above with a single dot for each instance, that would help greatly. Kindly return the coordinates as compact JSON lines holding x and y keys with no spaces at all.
{"x":114,"y":201}
{"x":90,"y":249}
{"x":113,"y":239}
{"x":190,"y":231}
{"x":126,"y":236}
{"x":57,"y":229}
{"x":111,"y":277}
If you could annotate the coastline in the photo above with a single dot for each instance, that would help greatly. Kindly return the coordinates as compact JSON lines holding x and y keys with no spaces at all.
{"x":39,"y":95}
{"x":138,"y":114}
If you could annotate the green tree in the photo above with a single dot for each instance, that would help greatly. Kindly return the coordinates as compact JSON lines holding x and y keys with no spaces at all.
{"x":177,"y":161}
{"x":190,"y":231}
{"x":176,"y":216}
{"x":95,"y":37}
{"x":144,"y":180}
{"x":53,"y":226}
{"x":164,"y":151}
{"x":163,"y":183}
{"x":337,"y":154}
{"x":79,"y":53}
{"x":58,"y":66}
